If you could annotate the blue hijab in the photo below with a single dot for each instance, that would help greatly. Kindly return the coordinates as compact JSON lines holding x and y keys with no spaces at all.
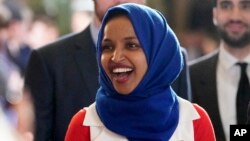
{"x":151,"y":111}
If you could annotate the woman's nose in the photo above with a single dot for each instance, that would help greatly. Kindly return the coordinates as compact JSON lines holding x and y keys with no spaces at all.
{"x":117,"y":55}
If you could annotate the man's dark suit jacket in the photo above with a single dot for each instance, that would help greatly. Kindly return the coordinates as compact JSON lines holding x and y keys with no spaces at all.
{"x":63,"y":78}
{"x":204,"y":89}
{"x":248,"y":113}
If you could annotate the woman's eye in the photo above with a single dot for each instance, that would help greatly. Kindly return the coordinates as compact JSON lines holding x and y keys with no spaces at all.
{"x":106,"y":47}
{"x":132,"y":45}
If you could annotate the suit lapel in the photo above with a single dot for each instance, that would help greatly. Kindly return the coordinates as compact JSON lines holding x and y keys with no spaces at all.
{"x":84,"y":55}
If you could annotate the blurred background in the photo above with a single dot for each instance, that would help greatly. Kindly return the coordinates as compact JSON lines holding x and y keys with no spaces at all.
{"x":29,"y":24}
{"x":190,"y":19}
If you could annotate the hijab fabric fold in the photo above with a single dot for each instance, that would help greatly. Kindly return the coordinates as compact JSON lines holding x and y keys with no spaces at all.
{"x":151,"y":111}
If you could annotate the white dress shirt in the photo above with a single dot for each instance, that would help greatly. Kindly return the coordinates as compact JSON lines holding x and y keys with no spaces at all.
{"x":94,"y":32}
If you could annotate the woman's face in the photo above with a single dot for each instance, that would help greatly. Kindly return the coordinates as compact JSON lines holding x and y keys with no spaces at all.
{"x":122,"y":57}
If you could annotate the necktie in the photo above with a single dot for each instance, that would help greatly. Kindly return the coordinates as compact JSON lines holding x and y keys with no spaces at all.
{"x":243,"y":95}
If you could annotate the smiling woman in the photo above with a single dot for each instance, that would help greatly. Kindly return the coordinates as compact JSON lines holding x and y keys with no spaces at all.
{"x":139,"y":57}
{"x":122,"y":56}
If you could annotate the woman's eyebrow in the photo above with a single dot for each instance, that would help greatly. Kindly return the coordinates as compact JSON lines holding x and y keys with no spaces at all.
{"x":130,"y":38}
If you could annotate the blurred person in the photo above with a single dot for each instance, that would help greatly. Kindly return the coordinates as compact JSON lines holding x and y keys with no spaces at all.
{"x":135,"y":101}
{"x":63,"y":76}
{"x":82,"y":14}
{"x":24,"y":130}
{"x":25,"y":115}
{"x":14,"y":117}
{"x":7,"y":132}
{"x":5,"y":17}
{"x":4,"y":20}
{"x":7,"y":67}
{"x":43,"y":30}
{"x":220,"y":80}
{"x":11,"y":78}
{"x":16,"y":49}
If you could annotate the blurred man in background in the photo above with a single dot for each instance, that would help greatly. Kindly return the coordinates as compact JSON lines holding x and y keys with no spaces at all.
{"x":220,"y":81}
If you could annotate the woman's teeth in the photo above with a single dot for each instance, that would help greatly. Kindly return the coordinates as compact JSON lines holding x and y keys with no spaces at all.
{"x":121,"y":70}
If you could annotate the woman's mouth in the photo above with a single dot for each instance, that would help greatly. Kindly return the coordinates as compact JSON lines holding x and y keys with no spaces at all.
{"x":121,"y":75}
